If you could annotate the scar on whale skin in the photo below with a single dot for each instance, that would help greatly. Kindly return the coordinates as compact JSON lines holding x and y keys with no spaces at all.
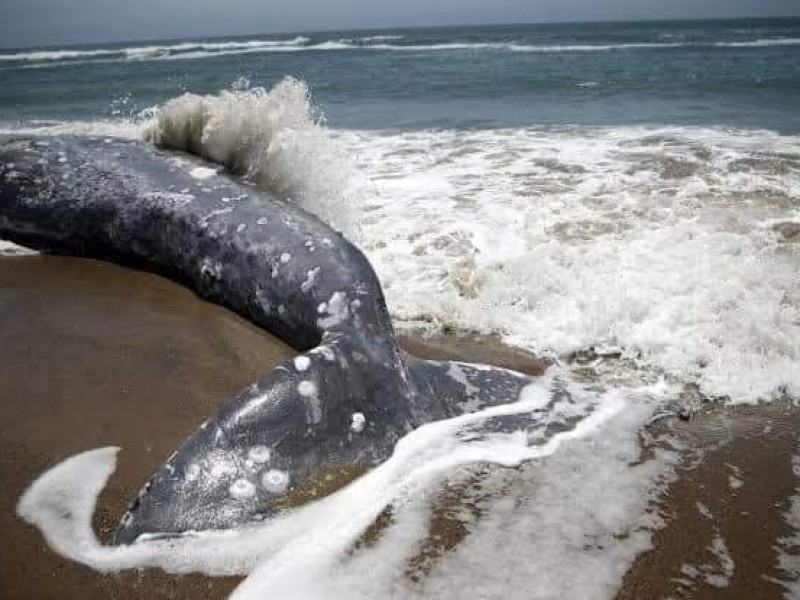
{"x":348,"y":397}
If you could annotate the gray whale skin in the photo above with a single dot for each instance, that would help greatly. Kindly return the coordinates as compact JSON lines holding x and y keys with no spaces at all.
{"x":345,"y":400}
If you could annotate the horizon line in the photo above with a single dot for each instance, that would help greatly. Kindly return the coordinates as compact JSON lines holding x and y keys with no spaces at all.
{"x":388,"y":28}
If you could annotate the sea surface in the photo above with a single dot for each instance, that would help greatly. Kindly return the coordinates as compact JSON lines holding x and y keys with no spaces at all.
{"x":622,"y":198}
{"x":728,"y":73}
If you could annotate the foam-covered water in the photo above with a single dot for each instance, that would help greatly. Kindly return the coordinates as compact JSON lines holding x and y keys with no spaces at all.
{"x":557,"y":193}
{"x":659,"y":241}
{"x":672,"y":243}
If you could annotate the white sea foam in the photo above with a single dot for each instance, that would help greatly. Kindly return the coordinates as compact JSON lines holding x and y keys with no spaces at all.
{"x":307,"y":552}
{"x":151,"y":51}
{"x":761,"y":43}
{"x":52,"y":55}
{"x":719,"y":568}
{"x":665,"y":242}
{"x":128,"y":129}
{"x":270,"y":137}
{"x":662,"y":241}
{"x":200,"y":50}
{"x":381,"y":38}
{"x":11,"y":249}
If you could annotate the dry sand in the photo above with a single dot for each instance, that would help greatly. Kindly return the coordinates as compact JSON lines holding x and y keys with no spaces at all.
{"x":92,"y":354}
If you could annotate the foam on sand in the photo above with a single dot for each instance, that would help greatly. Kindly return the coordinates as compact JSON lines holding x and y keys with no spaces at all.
{"x":787,"y":547}
{"x":10,"y":249}
{"x":306,"y":552}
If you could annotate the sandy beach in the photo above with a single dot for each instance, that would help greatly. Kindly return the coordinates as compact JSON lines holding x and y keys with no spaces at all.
{"x":94,"y":354}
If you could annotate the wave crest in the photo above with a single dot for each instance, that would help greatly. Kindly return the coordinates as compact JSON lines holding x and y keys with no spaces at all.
{"x":273,"y":138}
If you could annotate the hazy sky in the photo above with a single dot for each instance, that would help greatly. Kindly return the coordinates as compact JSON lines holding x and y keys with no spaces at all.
{"x":48,"y":22}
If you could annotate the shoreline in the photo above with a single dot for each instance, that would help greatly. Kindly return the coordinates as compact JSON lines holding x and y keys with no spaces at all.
{"x":95,"y":354}
{"x":104,"y":334}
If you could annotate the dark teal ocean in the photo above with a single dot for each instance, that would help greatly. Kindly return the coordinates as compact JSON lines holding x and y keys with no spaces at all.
{"x":739,"y":73}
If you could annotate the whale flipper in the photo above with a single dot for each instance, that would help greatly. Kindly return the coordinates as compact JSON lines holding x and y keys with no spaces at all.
{"x":344,"y":402}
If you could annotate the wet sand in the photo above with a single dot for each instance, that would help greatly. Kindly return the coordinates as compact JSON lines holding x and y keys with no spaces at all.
{"x":735,"y":485}
{"x":92,"y":354}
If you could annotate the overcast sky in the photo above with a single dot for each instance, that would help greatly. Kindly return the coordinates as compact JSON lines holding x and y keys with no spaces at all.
{"x":52,"y":22}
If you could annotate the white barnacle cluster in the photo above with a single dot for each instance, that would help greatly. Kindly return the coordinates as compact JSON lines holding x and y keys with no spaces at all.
{"x":325,"y":351}
{"x":357,"y":422}
{"x":241,"y":489}
{"x":274,"y":481}
{"x":302,"y":363}
{"x":202,"y":172}
{"x":192,"y":472}
{"x":210,"y":268}
{"x":308,"y":390}
{"x":336,"y":308}
{"x":259,"y":454}
{"x":233,"y":198}
{"x":204,"y":221}
{"x":9,"y":173}
{"x":170,"y":199}
{"x":311,"y":276}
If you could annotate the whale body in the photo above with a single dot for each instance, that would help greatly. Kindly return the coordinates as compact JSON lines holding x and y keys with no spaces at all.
{"x":344,"y":401}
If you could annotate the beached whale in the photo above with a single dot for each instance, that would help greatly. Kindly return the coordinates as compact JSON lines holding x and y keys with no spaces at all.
{"x":347,"y":397}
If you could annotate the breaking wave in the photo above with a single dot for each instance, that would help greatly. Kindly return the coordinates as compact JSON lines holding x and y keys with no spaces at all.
{"x":680,"y":246}
{"x":152,"y":52}
{"x":761,"y":43}
{"x":273,"y":138}
{"x":390,"y":43}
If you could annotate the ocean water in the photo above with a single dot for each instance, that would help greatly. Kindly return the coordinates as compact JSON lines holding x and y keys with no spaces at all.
{"x":623,"y":193}
{"x":729,"y":73}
